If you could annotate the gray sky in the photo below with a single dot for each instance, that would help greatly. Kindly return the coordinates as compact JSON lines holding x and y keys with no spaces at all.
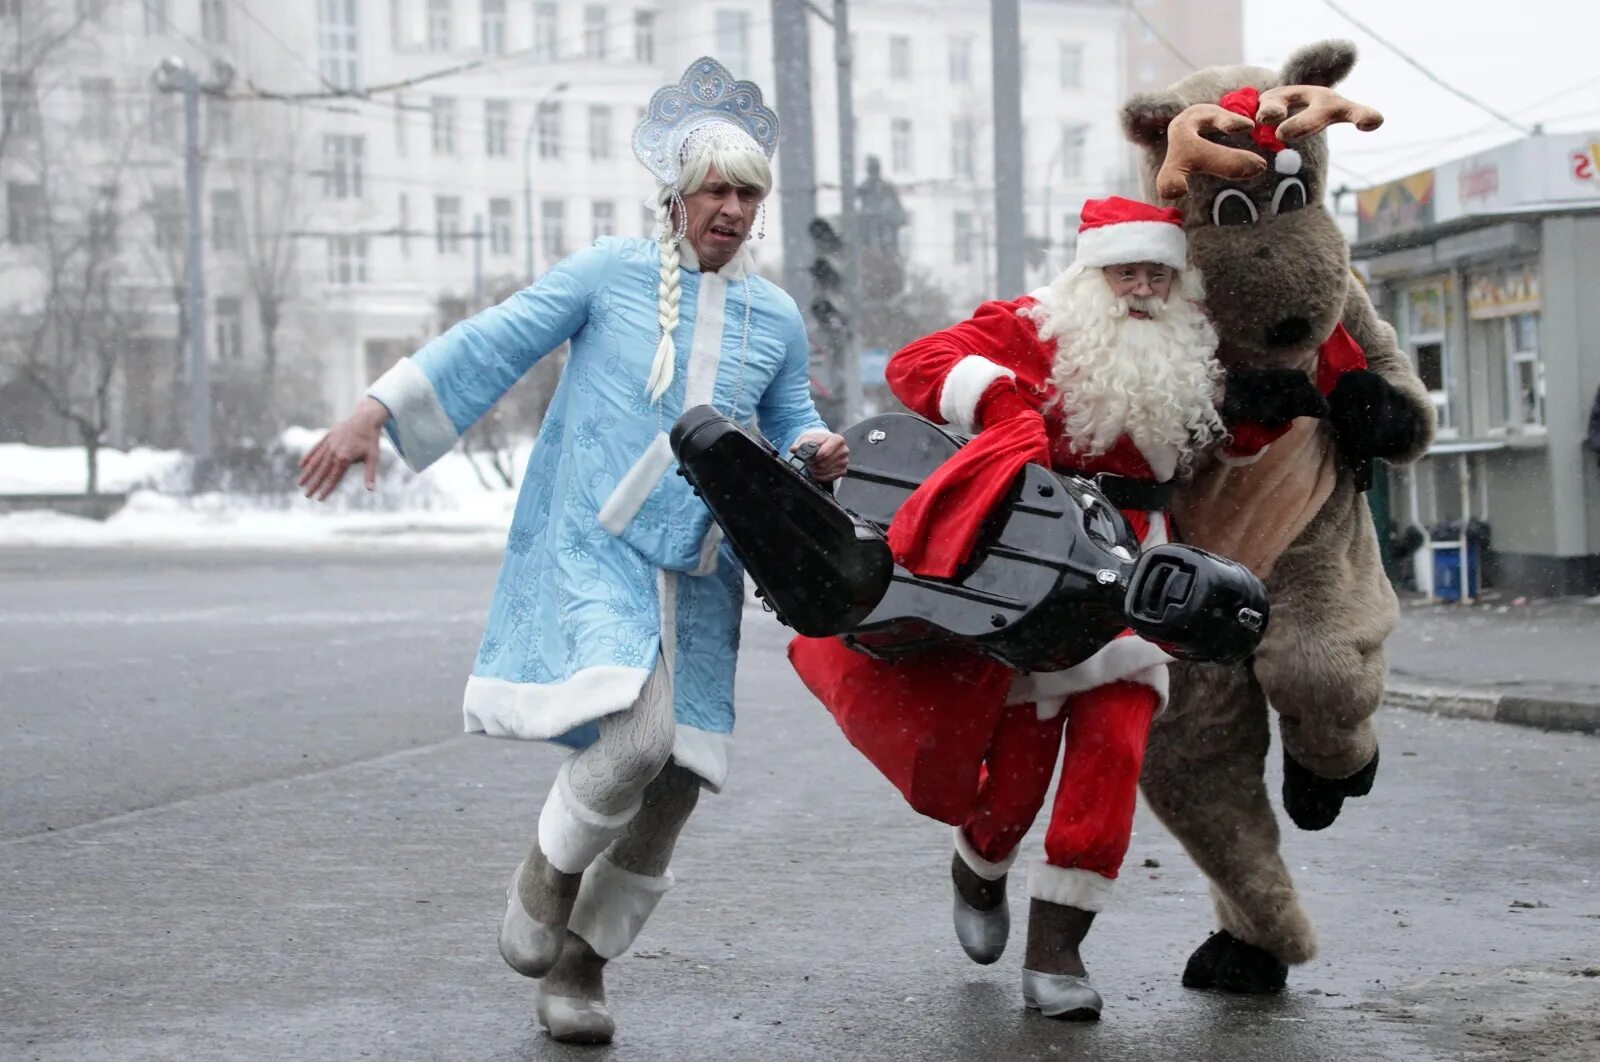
{"x":1513,"y":57}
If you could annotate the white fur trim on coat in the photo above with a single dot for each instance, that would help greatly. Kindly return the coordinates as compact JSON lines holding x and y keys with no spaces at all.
{"x":628,"y":496}
{"x":1162,"y":459}
{"x":963,"y":386}
{"x":977,"y":864}
{"x":418,"y":426}
{"x":613,"y":905}
{"x":571,"y":835}
{"x":1133,"y":241}
{"x":1127,"y":659}
{"x":1070,"y":887}
{"x":705,"y":753}
{"x":537,"y":712}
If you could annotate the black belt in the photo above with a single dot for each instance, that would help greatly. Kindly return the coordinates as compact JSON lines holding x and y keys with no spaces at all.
{"x":1125,"y":492}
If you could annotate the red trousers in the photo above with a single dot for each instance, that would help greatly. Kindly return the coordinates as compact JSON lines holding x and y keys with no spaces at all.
{"x":1091,"y":820}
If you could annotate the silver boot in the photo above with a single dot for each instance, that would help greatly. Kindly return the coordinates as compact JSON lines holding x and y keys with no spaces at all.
{"x":575,"y":1020}
{"x":528,"y":946}
{"x":982,"y":933}
{"x":1065,"y":996}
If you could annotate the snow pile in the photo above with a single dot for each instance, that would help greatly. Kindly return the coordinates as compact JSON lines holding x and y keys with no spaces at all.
{"x":448,"y":506}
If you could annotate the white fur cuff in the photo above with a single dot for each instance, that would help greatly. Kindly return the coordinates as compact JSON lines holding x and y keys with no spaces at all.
{"x":571,"y":835}
{"x":613,"y":905}
{"x":963,"y":386}
{"x":977,"y":864}
{"x":1070,"y":887}
{"x":418,"y":426}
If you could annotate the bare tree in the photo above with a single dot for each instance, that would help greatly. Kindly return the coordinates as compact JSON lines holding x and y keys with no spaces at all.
{"x":276,"y":209}
{"x":41,"y":34}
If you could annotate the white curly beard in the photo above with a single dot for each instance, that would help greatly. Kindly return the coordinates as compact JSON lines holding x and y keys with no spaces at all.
{"x":1156,"y":380}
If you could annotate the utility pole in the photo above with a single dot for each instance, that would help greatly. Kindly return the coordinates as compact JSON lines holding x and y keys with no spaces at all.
{"x":477,"y":262}
{"x":849,"y":356}
{"x":1010,"y":234}
{"x":173,"y":75}
{"x":527,"y":177}
{"x":797,"y":168}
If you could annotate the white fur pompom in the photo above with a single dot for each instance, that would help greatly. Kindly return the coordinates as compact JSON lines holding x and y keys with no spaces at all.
{"x":1287,"y":161}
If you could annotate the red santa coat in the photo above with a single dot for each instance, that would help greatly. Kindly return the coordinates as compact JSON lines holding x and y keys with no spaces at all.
{"x":927,"y":723}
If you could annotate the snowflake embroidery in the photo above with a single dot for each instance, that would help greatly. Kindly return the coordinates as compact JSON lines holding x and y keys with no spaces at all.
{"x":519,"y":609}
{"x":488,"y":650}
{"x":592,"y":430}
{"x":626,"y":650}
{"x":623,"y":608}
{"x":520,"y":540}
{"x":577,"y":546}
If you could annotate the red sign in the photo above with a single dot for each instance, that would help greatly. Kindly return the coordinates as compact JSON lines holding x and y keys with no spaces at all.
{"x":1586,"y":164}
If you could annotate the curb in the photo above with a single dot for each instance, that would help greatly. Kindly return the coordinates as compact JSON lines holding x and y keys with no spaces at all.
{"x":1581,"y":717}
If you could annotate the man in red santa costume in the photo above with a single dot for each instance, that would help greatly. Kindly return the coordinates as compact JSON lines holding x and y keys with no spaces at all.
{"x":1109,"y":371}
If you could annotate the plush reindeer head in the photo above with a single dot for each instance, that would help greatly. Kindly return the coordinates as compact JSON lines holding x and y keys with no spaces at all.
{"x":1241,"y":151}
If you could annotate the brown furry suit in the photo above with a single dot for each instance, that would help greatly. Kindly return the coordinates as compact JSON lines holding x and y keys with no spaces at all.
{"x":1275,"y":288}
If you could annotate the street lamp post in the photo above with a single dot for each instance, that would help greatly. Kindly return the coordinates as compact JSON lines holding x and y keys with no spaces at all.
{"x":174,"y":75}
{"x":527,"y":176}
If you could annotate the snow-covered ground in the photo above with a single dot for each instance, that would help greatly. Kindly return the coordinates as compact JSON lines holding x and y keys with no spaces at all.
{"x":446,"y":507}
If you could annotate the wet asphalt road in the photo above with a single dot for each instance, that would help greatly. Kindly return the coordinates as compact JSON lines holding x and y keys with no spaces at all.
{"x":238,"y":820}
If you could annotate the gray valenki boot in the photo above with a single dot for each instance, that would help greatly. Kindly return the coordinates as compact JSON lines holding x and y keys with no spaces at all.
{"x":1054,"y":980}
{"x":547,"y":884}
{"x":612,"y":907}
{"x":981,"y":914}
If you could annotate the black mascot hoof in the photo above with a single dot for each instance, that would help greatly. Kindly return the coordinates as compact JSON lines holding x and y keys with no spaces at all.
{"x":1227,"y":964}
{"x":1312,"y":801}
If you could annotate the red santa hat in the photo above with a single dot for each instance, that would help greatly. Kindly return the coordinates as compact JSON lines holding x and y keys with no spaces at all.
{"x":1118,"y":230}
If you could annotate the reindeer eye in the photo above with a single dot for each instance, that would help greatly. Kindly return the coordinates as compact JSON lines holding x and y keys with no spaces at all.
{"x":1289,"y":195}
{"x":1233,"y":207}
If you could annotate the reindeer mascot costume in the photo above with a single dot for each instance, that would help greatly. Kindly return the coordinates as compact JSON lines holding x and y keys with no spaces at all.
{"x":1317,"y":388}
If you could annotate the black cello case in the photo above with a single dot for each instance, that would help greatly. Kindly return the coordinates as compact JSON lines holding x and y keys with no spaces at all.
{"x":1057,"y":572}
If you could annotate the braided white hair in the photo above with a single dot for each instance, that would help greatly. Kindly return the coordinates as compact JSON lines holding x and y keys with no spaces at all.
{"x":740,"y":161}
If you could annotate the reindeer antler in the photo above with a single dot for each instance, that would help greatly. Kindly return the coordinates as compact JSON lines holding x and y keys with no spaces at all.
{"x":1189,"y":152}
{"x":1321,"y":107}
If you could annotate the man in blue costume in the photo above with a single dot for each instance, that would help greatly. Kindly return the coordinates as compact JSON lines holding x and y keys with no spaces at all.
{"x":615,"y":621}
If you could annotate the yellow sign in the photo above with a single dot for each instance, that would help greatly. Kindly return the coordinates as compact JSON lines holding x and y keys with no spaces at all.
{"x":1504,"y":294}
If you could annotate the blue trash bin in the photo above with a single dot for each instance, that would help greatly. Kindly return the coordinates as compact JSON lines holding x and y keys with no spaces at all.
{"x":1447,"y":572}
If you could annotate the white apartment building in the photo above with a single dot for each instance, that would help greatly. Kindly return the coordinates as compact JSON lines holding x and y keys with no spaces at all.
{"x":397,"y":144}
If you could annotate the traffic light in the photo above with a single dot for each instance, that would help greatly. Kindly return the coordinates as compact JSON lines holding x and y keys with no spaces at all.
{"x":828,"y":277}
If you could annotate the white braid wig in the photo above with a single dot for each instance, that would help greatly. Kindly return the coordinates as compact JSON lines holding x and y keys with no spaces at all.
{"x":740,"y":161}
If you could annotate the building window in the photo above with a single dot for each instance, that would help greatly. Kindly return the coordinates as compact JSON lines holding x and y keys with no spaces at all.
{"x":644,"y":36}
{"x":103,"y":219}
{"x":439,"y":27}
{"x":402,"y":116}
{"x":347,"y":260}
{"x":496,"y":128}
{"x":214,"y":21}
{"x":964,"y":237}
{"x":599,"y":133}
{"x":494,"y":27}
{"x":1524,"y":372}
{"x":98,"y":109}
{"x":405,"y":224}
{"x":961,"y":148}
{"x":163,"y":118}
{"x":155,"y":17}
{"x":19,"y":107}
{"x":553,"y":228}
{"x":900,"y":145}
{"x":447,"y":224}
{"x":228,"y":310}
{"x":24,"y":212}
{"x":1074,"y":146}
{"x":733,"y":40}
{"x":343,"y":158}
{"x":339,"y":44}
{"x":546,"y":31}
{"x":1426,"y":320}
{"x":594,"y":31}
{"x":548,"y":126}
{"x":1071,"y":53}
{"x":899,"y":58}
{"x":500,"y":226}
{"x":227,"y":224}
{"x":604,"y":215}
{"x":961,"y":60}
{"x":219,"y":122}
{"x":166,"y":210}
{"x":442,"y":113}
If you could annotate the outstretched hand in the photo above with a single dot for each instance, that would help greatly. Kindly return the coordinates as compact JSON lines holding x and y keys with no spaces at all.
{"x":353,"y":440}
{"x":832,"y":458}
